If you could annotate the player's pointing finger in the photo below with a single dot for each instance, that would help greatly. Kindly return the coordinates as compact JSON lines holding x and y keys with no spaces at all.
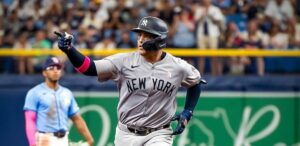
{"x":58,"y":33}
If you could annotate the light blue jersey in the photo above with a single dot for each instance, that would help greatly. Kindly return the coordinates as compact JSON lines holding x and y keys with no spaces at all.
{"x":53,"y":107}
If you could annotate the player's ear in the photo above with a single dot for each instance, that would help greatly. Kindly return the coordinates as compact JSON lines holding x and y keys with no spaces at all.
{"x":44,"y":73}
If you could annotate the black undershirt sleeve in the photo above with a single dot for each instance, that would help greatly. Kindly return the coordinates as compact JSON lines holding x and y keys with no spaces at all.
{"x":77,"y":59}
{"x":193,"y":94}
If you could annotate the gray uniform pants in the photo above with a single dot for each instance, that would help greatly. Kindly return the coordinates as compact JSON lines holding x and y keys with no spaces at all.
{"x":124,"y":137}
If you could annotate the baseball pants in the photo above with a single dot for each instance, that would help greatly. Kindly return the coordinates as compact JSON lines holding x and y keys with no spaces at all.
{"x":48,"y":139}
{"x":160,"y":137}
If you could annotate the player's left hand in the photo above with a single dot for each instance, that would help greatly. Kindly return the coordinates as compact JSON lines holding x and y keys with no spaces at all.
{"x":183,"y":119}
{"x":64,"y":40}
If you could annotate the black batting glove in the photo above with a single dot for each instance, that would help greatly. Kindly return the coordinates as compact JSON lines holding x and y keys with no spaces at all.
{"x":155,"y":44}
{"x":64,"y":41}
{"x":183,"y":118}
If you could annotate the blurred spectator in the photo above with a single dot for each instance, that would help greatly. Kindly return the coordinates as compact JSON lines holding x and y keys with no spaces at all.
{"x":182,"y":30}
{"x":154,"y":12}
{"x":20,"y":6}
{"x":91,"y":18}
{"x":24,"y":63}
{"x":80,"y":41}
{"x":253,"y":38}
{"x":29,"y":27}
{"x":280,"y":12}
{"x":114,"y":25}
{"x":125,"y":41}
{"x":232,"y":36}
{"x":140,"y":10}
{"x":106,"y":44}
{"x":7,"y":42}
{"x":233,"y":39}
{"x":54,"y":11}
{"x":239,"y":6}
{"x":38,"y":11}
{"x":92,"y":36}
{"x":40,"y":42}
{"x":2,"y":59}
{"x":50,"y":27}
{"x":297,"y":5}
{"x":224,"y":5}
{"x":210,"y":21}
{"x":1,"y":10}
{"x":256,"y":9}
{"x":12,"y":23}
{"x":114,"y":21}
{"x":166,"y":11}
{"x":277,"y":40}
{"x":297,"y":32}
{"x":28,"y":8}
{"x":291,"y":36}
{"x":124,"y":12}
{"x":102,"y":12}
{"x":108,"y":4}
{"x":76,"y":15}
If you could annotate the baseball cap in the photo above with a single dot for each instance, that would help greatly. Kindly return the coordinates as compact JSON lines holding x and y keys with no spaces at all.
{"x":52,"y":61}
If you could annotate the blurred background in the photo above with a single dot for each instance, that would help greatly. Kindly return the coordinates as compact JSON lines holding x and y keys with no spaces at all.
{"x":249,"y":99}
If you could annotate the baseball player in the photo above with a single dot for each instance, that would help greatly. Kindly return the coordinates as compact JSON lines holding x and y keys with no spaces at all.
{"x":48,"y":107}
{"x":148,"y":80}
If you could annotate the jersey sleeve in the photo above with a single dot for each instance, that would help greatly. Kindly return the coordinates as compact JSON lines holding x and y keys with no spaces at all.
{"x":110,"y":67}
{"x":191,"y":76}
{"x":73,"y":109}
{"x":31,"y":101}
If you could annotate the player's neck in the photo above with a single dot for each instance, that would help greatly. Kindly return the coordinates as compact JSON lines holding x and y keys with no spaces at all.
{"x":52,"y":84}
{"x":153,"y":56}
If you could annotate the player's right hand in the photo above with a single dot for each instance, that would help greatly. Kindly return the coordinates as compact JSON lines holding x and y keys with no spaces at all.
{"x":90,"y":142}
{"x":64,"y":40}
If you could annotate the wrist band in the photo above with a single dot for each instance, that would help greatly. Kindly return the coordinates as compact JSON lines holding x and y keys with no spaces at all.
{"x":85,"y":65}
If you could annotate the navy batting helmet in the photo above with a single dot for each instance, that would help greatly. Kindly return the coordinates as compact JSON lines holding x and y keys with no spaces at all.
{"x":156,"y":27}
{"x":152,"y":25}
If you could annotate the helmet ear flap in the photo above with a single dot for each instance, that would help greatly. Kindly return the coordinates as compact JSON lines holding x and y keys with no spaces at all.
{"x":161,"y":42}
{"x":155,"y":44}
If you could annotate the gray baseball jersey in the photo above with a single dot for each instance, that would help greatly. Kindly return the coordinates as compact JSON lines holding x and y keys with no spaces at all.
{"x":147,"y":91}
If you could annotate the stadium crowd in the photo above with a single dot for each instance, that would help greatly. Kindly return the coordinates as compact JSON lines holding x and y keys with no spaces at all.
{"x":106,"y":24}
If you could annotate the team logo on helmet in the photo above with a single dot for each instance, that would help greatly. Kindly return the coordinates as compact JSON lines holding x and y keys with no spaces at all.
{"x":144,"y":22}
{"x":55,"y":60}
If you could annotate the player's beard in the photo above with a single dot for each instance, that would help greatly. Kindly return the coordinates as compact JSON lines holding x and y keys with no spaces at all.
{"x":53,"y":79}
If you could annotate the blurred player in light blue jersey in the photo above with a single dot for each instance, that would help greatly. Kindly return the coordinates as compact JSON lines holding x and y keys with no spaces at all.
{"x":48,"y":107}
